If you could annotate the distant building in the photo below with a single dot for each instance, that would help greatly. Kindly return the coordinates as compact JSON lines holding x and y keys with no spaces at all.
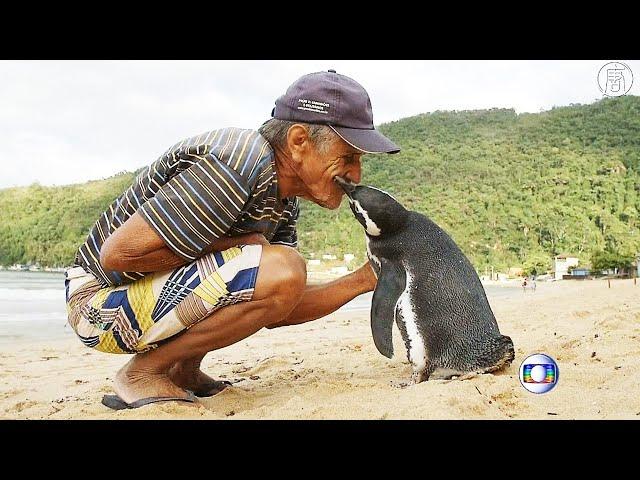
{"x":19,"y":267}
{"x":581,"y":272}
{"x":348,"y":257}
{"x":339,"y":270}
{"x":515,"y":272}
{"x":562,"y":263}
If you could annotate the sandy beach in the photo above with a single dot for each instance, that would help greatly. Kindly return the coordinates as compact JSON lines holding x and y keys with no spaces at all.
{"x":330,"y":369}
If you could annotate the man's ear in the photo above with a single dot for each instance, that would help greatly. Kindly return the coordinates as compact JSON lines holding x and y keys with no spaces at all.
{"x":298,"y":141}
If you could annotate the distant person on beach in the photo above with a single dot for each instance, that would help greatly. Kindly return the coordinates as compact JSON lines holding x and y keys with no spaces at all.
{"x":200,"y":251}
{"x":528,"y":284}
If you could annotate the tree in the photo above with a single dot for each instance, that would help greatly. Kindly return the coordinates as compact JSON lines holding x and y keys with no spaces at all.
{"x":608,"y":260}
{"x":536,"y":264}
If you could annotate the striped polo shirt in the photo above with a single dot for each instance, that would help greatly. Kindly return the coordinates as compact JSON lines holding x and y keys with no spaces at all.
{"x":220,"y":183}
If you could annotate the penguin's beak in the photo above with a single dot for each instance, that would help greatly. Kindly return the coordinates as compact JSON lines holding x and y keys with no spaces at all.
{"x":347,"y":186}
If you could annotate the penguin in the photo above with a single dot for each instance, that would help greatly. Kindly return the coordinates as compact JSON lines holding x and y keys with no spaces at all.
{"x":430,"y":288}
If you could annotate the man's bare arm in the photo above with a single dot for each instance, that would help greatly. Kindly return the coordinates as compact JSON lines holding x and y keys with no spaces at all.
{"x":320,"y":300}
{"x":136,"y":247}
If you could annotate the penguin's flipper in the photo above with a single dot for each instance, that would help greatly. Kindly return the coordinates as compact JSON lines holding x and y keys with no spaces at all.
{"x":391,"y":284}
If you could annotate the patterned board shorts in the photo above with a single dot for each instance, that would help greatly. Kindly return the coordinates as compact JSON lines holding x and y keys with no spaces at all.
{"x":133,"y":318}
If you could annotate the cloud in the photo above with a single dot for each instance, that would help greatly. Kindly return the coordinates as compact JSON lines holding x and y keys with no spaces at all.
{"x":72,"y":121}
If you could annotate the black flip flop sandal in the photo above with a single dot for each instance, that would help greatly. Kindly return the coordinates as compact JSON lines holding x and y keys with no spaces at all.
{"x":116,"y":403}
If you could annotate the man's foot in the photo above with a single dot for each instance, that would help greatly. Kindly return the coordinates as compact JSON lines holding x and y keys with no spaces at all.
{"x":132,"y":384}
{"x":194,"y":379}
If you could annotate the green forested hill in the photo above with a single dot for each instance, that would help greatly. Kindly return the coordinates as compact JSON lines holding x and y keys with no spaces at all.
{"x":47,"y":224}
{"x":512,"y":190}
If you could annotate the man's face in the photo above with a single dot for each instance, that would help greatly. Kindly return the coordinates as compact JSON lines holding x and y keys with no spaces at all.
{"x":319,"y":169}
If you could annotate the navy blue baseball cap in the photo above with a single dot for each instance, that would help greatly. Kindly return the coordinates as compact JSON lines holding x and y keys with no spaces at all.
{"x":338,"y":101}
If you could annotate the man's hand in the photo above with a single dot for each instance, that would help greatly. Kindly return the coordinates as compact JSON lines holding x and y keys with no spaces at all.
{"x":255,"y":239}
{"x":244,"y":239}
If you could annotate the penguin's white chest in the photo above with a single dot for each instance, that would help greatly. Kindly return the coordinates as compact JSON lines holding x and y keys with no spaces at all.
{"x":417,"y":351}
{"x":372,"y":257}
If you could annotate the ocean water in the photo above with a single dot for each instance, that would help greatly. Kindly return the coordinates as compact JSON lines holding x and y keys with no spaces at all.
{"x":32,"y":305}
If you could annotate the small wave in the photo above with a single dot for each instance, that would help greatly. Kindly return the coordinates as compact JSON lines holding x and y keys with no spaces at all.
{"x":60,"y":317}
{"x":17,"y":294}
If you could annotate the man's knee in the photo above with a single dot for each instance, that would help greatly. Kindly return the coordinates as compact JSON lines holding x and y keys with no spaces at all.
{"x":282,"y":275}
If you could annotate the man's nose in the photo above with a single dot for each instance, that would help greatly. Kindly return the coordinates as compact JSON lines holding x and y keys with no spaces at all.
{"x":354,"y":173}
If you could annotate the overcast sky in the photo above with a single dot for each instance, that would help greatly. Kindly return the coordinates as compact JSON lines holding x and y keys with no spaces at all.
{"x":70,"y":121}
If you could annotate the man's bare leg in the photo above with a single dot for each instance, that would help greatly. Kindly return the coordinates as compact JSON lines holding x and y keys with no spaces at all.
{"x":280,"y":282}
{"x":316,"y":301}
